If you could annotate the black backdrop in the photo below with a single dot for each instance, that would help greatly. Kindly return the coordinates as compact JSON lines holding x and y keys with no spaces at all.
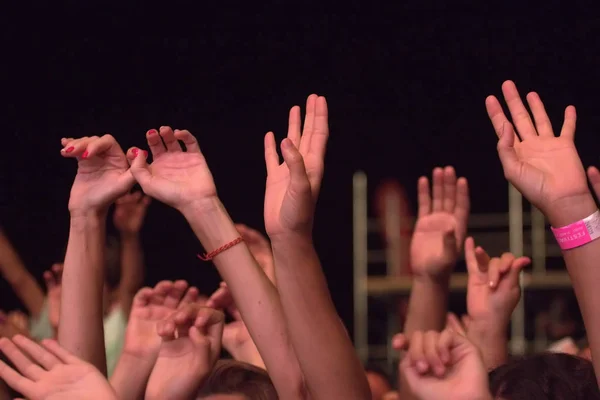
{"x":406,"y":91}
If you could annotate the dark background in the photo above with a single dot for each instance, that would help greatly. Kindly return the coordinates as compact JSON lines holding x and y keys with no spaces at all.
{"x":405,"y":87}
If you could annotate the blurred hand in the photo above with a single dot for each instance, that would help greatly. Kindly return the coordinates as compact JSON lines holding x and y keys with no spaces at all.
{"x":191,"y":345}
{"x":102,"y":176}
{"x":293,"y":187}
{"x":178,"y":178}
{"x":442,"y":365}
{"x":50,"y":372}
{"x":53,"y":280}
{"x":130,"y":211}
{"x":545,"y":168}
{"x":493,"y":289}
{"x":441,"y":224}
{"x":9,"y":327}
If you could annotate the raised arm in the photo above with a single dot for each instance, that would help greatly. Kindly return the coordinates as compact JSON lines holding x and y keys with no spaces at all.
{"x":184,"y":181}
{"x":330,"y":365}
{"x":102,"y":177}
{"x":18,"y":277}
{"x":128,"y":218}
{"x":547,"y":170}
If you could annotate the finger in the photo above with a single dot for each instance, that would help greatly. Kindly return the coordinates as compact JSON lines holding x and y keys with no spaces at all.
{"x":185,"y":315}
{"x":400,"y":342}
{"x":483,"y":259}
{"x":431,"y":353}
{"x":295,"y":126}
{"x":512,"y":277}
{"x":271,"y":156}
{"x":139,"y":166}
{"x":190,"y":141}
{"x":438,"y":189}
{"x":23,"y":364}
{"x":191,"y":296}
{"x":594,"y":177}
{"x":146,"y":200}
{"x":103,"y":145}
{"x":466,"y":321}
{"x":168,"y":137}
{"x":299,"y":183}
{"x":76,"y":148}
{"x":444,"y":345}
{"x":36,"y":352}
{"x":65,"y":141}
{"x":507,"y":153}
{"x":174,"y":294}
{"x":494,"y":272}
{"x":470,"y":259}
{"x":568,"y":128}
{"x":542,"y":122}
{"x":320,"y":135}
{"x":251,"y":235}
{"x":49,"y":280}
{"x":16,"y":380}
{"x":424,"y":197}
{"x":143,"y":297}
{"x":506,"y":261}
{"x":518,"y":112}
{"x":452,"y":322}
{"x":449,"y":201}
{"x":416,"y":352}
{"x":160,"y":291}
{"x":462,"y":208}
{"x":57,"y":269}
{"x":221,"y":298}
{"x":166,"y":329}
{"x":155,"y":143}
{"x":210,"y":322}
{"x":309,"y":124}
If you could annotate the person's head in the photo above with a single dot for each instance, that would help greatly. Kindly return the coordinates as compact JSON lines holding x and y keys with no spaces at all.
{"x":379,"y":382}
{"x":545,"y":376}
{"x":235,"y":380}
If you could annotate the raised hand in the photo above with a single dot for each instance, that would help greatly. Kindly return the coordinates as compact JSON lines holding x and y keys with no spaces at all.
{"x":493,"y":289}
{"x":545,"y":168}
{"x":50,"y":372}
{"x":53,"y":280}
{"x":293,"y":187}
{"x":151,"y":306}
{"x":442,"y":365}
{"x":441,"y":224}
{"x":130,"y":211}
{"x":178,"y":178}
{"x":190,"y":348}
{"x":103,"y":172}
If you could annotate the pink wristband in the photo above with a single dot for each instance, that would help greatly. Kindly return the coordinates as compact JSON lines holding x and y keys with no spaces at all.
{"x":578,"y":233}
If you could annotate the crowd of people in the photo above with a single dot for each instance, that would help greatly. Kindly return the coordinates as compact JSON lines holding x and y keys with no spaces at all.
{"x":270,"y":330}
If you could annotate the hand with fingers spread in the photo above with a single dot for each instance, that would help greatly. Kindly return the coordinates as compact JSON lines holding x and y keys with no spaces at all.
{"x":442,"y":365}
{"x":130,"y":211}
{"x":545,"y":168}
{"x":178,"y":178}
{"x":53,"y":280}
{"x":441,"y":224}
{"x":191,"y":345}
{"x":102,"y":176}
{"x":293,"y":187}
{"x":50,"y":372}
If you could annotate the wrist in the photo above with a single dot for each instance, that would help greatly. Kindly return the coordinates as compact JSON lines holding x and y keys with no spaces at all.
{"x":200,"y":207}
{"x":88,"y":218}
{"x":425,"y":279}
{"x":569,"y":210}
{"x":129,"y":236}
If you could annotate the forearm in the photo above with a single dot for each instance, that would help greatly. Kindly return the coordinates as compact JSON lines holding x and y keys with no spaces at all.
{"x":130,"y":377}
{"x":81,"y":314}
{"x":491,"y":341}
{"x":255,"y":295}
{"x":326,"y":354}
{"x":427,"y":306}
{"x":132,"y":272}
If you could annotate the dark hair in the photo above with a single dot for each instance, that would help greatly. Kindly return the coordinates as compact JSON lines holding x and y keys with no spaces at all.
{"x":545,"y":376}
{"x":236,"y":377}
{"x":113,"y":262}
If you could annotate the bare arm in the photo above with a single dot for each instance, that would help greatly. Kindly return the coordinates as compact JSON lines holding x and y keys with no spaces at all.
{"x":19,"y":278}
{"x":132,"y":270}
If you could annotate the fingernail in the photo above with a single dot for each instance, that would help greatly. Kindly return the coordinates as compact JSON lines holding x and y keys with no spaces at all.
{"x":70,"y":149}
{"x":421,"y":366}
{"x":85,"y":154}
{"x":151,"y":132}
{"x":135,"y":152}
{"x":145,"y":153}
{"x":492,"y":284}
{"x":286,"y":143}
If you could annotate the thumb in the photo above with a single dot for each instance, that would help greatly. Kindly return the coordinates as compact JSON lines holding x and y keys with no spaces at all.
{"x":594,"y":177}
{"x":293,"y":159}
{"x":139,"y":166}
{"x":506,"y":149}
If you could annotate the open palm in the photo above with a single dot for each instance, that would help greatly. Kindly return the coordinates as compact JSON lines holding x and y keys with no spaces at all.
{"x":102,"y":174}
{"x":545,"y":168}
{"x":51,"y":372}
{"x":283,"y":210}
{"x":441,"y":224}
{"x":175,"y":177}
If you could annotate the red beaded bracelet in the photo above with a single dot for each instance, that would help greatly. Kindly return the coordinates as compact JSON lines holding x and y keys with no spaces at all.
{"x":214,"y":253}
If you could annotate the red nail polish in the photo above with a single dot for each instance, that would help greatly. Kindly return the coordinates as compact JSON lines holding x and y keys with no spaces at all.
{"x":85,"y":154}
{"x":151,"y":132}
{"x":70,"y":149}
{"x":135,"y":152}
{"x":145,"y":153}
